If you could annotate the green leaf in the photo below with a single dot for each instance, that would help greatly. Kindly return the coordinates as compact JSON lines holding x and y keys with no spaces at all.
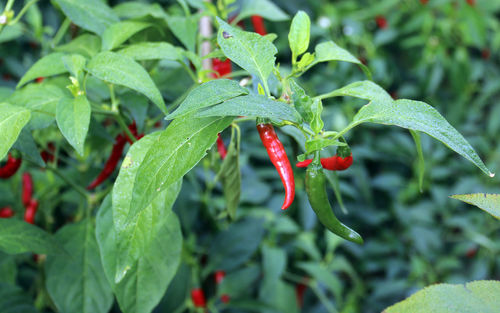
{"x":119,"y":69}
{"x":77,"y":283}
{"x":17,"y":236}
{"x":73,"y":119}
{"x":185,"y":29}
{"x":8,"y":269}
{"x":253,"y":106}
{"x":208,"y":94}
{"x":178,"y":149}
{"x":12,"y":121}
{"x":301,"y":101}
{"x":50,"y":65}
{"x":234,"y":246}
{"x":118,"y":33}
{"x":151,"y":51}
{"x":135,"y":233}
{"x":366,"y":89}
{"x":419,"y":116}
{"x":11,"y":32}
{"x":249,"y":50}
{"x":421,"y":160}
{"x":477,"y":296}
{"x":135,"y":9}
{"x":148,"y":278}
{"x":92,"y":15}
{"x":26,"y":144}
{"x":322,"y":274}
{"x":87,"y":45}
{"x":230,"y":174}
{"x":486,"y":202}
{"x":333,"y":179}
{"x":329,"y":51}
{"x":264,"y":8}
{"x":298,"y":37}
{"x":74,"y":64}
{"x":321,"y":143}
{"x":41,"y":99}
{"x":14,"y":300}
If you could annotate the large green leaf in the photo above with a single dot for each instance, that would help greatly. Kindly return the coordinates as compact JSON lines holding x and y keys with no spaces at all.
{"x":8,"y":269}
{"x":474,"y":297}
{"x":13,"y":299}
{"x":486,"y":202}
{"x":87,"y":45}
{"x":73,"y":119}
{"x":176,"y":151}
{"x":208,"y":94}
{"x":136,"y":233}
{"x":329,"y":51}
{"x":253,"y":106}
{"x":118,"y":33}
{"x":230,"y":174}
{"x":17,"y":236}
{"x":185,"y":29}
{"x":26,"y":144}
{"x":50,"y":65}
{"x":148,"y":278}
{"x":92,"y":15}
{"x":12,"y":121}
{"x":264,"y":8}
{"x":151,"y":51}
{"x":122,"y":70}
{"x":77,"y":283}
{"x":42,"y":100}
{"x":298,"y":37}
{"x":250,"y":51}
{"x":420,"y":116}
{"x":366,"y":89}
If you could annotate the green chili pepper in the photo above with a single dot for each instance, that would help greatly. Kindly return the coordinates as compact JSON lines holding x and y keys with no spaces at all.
{"x":318,"y":198}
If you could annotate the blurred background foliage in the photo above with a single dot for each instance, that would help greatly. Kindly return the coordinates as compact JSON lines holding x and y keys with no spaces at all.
{"x":443,"y":52}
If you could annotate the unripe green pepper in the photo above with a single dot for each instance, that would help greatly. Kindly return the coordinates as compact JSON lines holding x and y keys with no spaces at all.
{"x":318,"y":198}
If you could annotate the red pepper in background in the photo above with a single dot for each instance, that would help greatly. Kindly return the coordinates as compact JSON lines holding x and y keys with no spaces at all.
{"x":225,"y":298}
{"x":221,"y":68}
{"x":10,"y":167}
{"x":219,"y":277}
{"x":29,"y":214}
{"x":471,"y":2}
{"x":485,"y":54}
{"x":299,"y":294}
{"x":48,"y":154}
{"x":278,"y":157}
{"x":27,"y":189}
{"x":221,"y":147}
{"x":381,"y":22}
{"x":424,"y":2}
{"x":6,"y":212}
{"x":258,"y":25}
{"x":39,"y":79}
{"x":198,"y":298}
{"x":114,"y":157}
{"x":334,"y":163}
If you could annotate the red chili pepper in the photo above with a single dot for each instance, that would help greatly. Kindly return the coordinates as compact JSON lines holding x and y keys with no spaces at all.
{"x":219,"y":276}
{"x":39,"y":79}
{"x":424,"y":2}
{"x":471,"y":2}
{"x":48,"y":154}
{"x":225,"y":298}
{"x":381,"y":22}
{"x":221,"y":147}
{"x":258,"y":25}
{"x":485,"y":54}
{"x":299,"y":294}
{"x":278,"y":157}
{"x":27,"y":189}
{"x":198,"y":298}
{"x":29,"y":214}
{"x":10,"y":167}
{"x":221,"y":68}
{"x":334,"y":163}
{"x":6,"y":212}
{"x":111,"y":163}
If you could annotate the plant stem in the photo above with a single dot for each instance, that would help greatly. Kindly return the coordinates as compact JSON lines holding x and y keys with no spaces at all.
{"x":79,"y":189}
{"x":23,"y":10}
{"x":124,"y":127}
{"x":60,"y":33}
{"x":322,"y":297}
{"x":9,"y":5}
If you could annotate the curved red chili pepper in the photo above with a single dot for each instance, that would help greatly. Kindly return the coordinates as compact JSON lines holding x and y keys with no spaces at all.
{"x":258,"y":25}
{"x":111,"y":163}
{"x":29,"y":214}
{"x":198,"y":298}
{"x":6,"y":212}
{"x":27,"y":189}
{"x":278,"y":157}
{"x":221,"y":147}
{"x":333,"y":163}
{"x":10,"y":167}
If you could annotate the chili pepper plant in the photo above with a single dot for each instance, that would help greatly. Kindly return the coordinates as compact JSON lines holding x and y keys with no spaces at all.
{"x":174,"y":157}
